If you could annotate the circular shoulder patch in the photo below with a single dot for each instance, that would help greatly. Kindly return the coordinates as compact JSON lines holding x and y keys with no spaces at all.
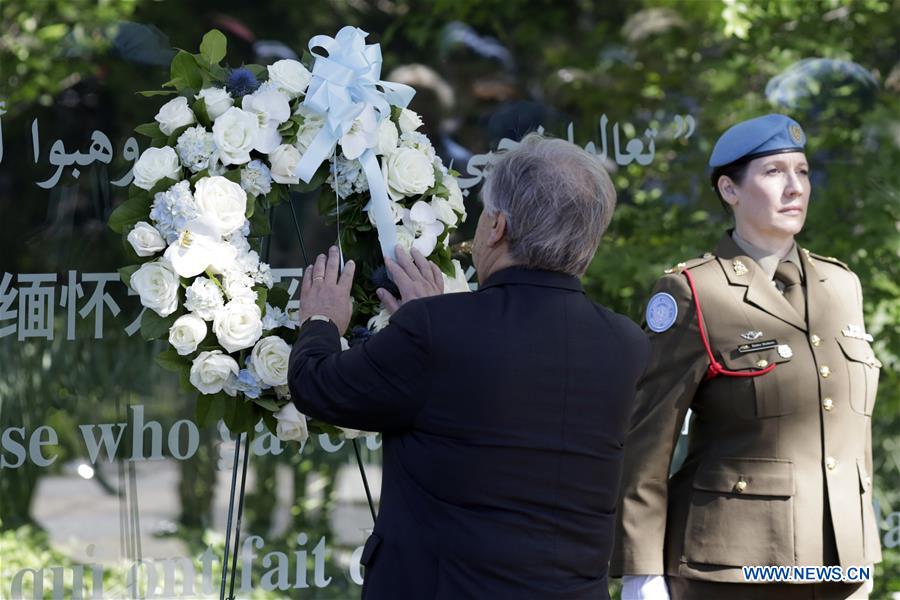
{"x":662,"y":310}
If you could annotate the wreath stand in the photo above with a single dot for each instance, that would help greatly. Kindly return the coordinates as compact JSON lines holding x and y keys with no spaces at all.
{"x":244,"y":439}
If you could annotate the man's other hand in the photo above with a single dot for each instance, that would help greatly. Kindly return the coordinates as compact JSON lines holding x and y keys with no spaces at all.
{"x":326,"y":292}
{"x":415,"y":278}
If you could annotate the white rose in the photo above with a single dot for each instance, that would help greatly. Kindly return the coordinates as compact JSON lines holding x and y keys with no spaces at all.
{"x":379,"y":321}
{"x":157,"y":285}
{"x":284,"y":160}
{"x":409,"y":172}
{"x":291,"y":424}
{"x":174,"y":114}
{"x":217,"y":101}
{"x":457,"y":283}
{"x":388,"y":137}
{"x":290,"y":76}
{"x":238,"y":325}
{"x":409,"y":120}
{"x":235,"y":133}
{"x":455,"y":197}
{"x":270,"y":360}
{"x":223,"y":202}
{"x":145,"y":239}
{"x":156,"y":164}
{"x":186,"y":333}
{"x":210,"y":371}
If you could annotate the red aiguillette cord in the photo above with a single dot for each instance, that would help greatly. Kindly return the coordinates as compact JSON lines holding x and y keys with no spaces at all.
{"x":715,"y":368}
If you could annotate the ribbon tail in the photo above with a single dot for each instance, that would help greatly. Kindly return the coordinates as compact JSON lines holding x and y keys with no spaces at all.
{"x":320,"y":148}
{"x":381,"y":208}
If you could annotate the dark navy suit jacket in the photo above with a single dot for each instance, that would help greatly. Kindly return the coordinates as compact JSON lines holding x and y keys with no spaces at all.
{"x":504,"y":413}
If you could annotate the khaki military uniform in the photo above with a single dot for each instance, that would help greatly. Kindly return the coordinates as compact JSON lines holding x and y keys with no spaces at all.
{"x":778,"y":470}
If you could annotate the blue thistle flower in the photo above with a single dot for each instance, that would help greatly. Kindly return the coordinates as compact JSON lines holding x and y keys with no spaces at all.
{"x":241,"y":82}
{"x":358,"y":335}
{"x":380,"y":279}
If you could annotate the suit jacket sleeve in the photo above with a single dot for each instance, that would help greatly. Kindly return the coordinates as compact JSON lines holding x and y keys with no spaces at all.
{"x":379,"y":385}
{"x":678,"y":364}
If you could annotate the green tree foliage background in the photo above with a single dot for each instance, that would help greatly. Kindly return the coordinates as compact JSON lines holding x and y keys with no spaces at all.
{"x":640,"y":62}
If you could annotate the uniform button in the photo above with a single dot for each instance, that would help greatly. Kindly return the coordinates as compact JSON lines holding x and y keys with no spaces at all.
{"x":816,"y":340}
{"x":762,"y":363}
{"x":740,"y":486}
{"x":830,"y":463}
{"x":868,"y":480}
{"x":824,"y":371}
{"x":827,"y":403}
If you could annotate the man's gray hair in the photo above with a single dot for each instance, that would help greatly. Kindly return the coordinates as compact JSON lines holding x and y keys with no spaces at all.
{"x":558,"y":200}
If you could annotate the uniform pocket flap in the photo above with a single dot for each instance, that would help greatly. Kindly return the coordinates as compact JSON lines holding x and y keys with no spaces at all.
{"x":865,"y":481}
{"x":746,"y":357}
{"x":859,"y":351}
{"x":369,"y":549}
{"x":747,"y":476}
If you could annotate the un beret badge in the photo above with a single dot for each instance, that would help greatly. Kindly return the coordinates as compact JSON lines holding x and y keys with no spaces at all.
{"x":796,"y":134}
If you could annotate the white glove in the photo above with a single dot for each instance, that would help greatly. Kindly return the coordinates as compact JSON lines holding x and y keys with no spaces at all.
{"x":644,"y":587}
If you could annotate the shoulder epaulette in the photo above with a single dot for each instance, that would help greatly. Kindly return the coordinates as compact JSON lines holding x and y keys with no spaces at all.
{"x":690,"y":263}
{"x":829,"y":259}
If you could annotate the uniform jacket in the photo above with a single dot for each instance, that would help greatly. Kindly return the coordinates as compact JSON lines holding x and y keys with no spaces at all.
{"x":774,"y":462}
{"x":504,"y":412}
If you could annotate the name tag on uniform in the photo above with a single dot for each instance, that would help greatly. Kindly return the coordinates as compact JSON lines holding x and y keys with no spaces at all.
{"x":757,"y":346}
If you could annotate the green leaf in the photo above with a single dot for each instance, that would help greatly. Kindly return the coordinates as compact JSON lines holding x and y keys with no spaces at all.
{"x":185,"y":72}
{"x":150,"y":93}
{"x":125,"y":274}
{"x":213,"y":47}
{"x":251,"y":206}
{"x":278,"y":297}
{"x":154,"y":327}
{"x":201,"y":113}
{"x":270,"y":422}
{"x":211,"y":408}
{"x":273,"y":198}
{"x":259,"y":224}
{"x":198,"y":176}
{"x":151,"y":130}
{"x":267,"y":403}
{"x":257,"y":70}
{"x":239,"y":415}
{"x":233,"y":175}
{"x":130,"y":212}
{"x":262,"y":292}
{"x":218,"y":73}
{"x":317,"y":180}
{"x":170,"y":360}
{"x":161,"y":186}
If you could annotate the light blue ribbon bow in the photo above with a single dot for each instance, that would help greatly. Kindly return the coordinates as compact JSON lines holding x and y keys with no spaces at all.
{"x":343,"y":83}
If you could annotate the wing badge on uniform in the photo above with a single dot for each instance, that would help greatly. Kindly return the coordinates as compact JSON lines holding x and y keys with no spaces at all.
{"x":662,"y":310}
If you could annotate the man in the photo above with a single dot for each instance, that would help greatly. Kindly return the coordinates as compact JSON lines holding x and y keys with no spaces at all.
{"x":504,"y":410}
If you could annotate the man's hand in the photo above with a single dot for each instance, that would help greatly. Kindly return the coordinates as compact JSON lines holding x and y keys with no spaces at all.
{"x":325,"y":293}
{"x":415,"y":278}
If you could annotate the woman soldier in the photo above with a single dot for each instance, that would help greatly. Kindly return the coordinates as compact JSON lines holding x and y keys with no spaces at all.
{"x":764,"y":342}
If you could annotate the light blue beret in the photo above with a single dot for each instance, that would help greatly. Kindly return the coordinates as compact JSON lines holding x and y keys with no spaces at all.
{"x":770,"y":134}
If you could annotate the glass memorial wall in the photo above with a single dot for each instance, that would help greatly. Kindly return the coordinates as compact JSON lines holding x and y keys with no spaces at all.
{"x":110,"y":484}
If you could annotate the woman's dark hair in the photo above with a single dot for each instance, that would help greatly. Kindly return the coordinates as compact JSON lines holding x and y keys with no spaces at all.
{"x":736,"y":171}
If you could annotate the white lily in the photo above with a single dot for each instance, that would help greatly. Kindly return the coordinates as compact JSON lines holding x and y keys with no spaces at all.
{"x":198,"y":247}
{"x":363,"y":134}
{"x":272,"y":108}
{"x":422,"y":219}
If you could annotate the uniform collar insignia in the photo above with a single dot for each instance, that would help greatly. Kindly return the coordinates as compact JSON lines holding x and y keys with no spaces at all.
{"x":857,"y":332}
{"x":740,"y":269}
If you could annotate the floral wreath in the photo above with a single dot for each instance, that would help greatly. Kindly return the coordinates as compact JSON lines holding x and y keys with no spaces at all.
{"x":227,"y":149}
